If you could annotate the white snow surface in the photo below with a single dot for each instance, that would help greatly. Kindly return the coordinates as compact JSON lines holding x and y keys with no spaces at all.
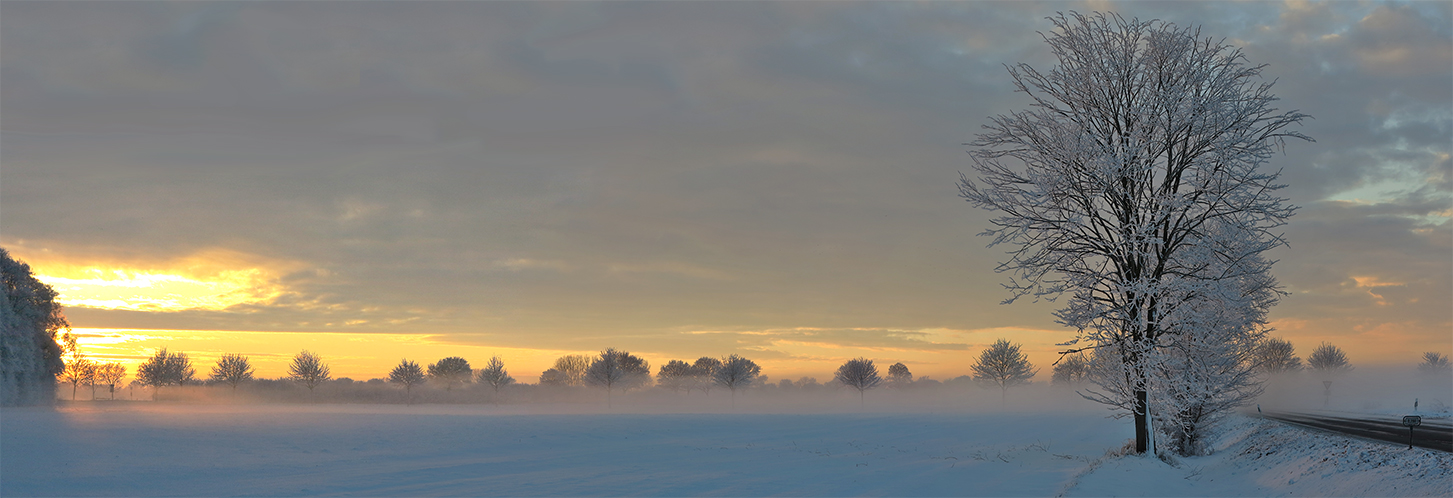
{"x":160,"y":449}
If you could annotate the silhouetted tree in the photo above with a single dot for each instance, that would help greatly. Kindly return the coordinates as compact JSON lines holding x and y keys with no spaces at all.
{"x":1434,"y":363}
{"x":574,"y":367}
{"x":232,"y":369}
{"x":495,"y":375}
{"x":554,"y":377}
{"x":1328,"y":361}
{"x":30,"y":318}
{"x":409,"y":374}
{"x":450,"y":371}
{"x":78,"y":369}
{"x":1003,"y":365}
{"x":309,"y":370}
{"x":164,"y":369}
{"x":675,"y":375}
{"x":1072,"y":370}
{"x":110,"y":374}
{"x":860,"y":374}
{"x":736,"y":373}
{"x":703,"y":373}
{"x":1275,"y":356}
{"x":617,"y":369}
{"x":899,"y":376}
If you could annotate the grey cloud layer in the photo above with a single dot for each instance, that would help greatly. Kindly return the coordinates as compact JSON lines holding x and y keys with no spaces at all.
{"x":550,"y":173}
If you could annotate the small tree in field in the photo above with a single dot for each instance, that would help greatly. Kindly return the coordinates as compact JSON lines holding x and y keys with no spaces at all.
{"x":860,"y":374}
{"x":78,"y":369}
{"x":409,"y":374}
{"x":554,"y":377}
{"x":495,"y":375}
{"x":1004,"y":366}
{"x":1132,"y":183}
{"x":232,"y":369}
{"x":1072,"y":370}
{"x":1328,"y":361}
{"x":450,"y":371}
{"x":309,"y":370}
{"x":703,"y":373}
{"x":1276,"y":356}
{"x":164,"y":369}
{"x":899,"y":376}
{"x":573,"y":367}
{"x":675,"y":375}
{"x":617,"y":369}
{"x":1435,"y":364}
{"x":110,"y":374}
{"x":736,"y":373}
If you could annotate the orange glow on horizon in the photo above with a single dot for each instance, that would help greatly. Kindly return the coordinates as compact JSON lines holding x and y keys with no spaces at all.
{"x":208,"y":280}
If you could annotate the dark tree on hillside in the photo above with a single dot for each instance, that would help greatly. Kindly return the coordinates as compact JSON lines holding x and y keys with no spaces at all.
{"x":736,"y":373}
{"x":232,"y":369}
{"x":899,"y":376}
{"x":450,"y":371}
{"x":860,"y":374}
{"x":30,"y":319}
{"x":409,"y":374}
{"x":309,"y":370}
{"x":495,"y":375}
{"x":1004,"y":366}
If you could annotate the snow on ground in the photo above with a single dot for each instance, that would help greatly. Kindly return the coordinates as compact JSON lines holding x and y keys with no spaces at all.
{"x":160,"y":449}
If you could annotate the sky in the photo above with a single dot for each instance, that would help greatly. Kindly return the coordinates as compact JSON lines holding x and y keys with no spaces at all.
{"x":383,"y":180}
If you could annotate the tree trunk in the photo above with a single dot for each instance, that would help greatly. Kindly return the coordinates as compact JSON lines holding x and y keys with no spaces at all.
{"x":1142,"y":422}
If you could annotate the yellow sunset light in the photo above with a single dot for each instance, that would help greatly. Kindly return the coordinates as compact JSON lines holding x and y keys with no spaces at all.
{"x":212,"y":280}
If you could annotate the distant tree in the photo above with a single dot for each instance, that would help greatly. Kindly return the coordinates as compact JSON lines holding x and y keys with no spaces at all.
{"x":232,"y":369}
{"x":110,"y":374}
{"x":675,"y":375}
{"x":1003,"y":365}
{"x":574,"y":367}
{"x":1435,"y":363}
{"x":703,"y":373}
{"x":554,"y":377}
{"x":1328,"y":361}
{"x":899,"y":376}
{"x":495,"y":375}
{"x":860,"y":374}
{"x":617,"y":369}
{"x":78,"y":369}
{"x":808,"y":383}
{"x":1275,"y":356}
{"x":409,"y":374}
{"x":450,"y":371}
{"x":1072,"y":370}
{"x":309,"y":370}
{"x":164,"y":369}
{"x":30,"y":318}
{"x":736,"y":373}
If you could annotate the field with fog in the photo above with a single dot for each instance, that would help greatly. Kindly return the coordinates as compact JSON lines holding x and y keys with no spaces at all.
{"x":1038,"y":440}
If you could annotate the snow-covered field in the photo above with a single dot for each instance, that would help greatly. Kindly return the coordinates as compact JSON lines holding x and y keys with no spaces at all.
{"x":146,"y":449}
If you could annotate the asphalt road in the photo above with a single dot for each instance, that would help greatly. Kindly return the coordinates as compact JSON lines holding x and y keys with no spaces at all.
{"x":1437,"y":435}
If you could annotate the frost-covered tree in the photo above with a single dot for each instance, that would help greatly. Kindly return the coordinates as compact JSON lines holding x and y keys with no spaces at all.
{"x":860,"y":374}
{"x":899,"y":376}
{"x":736,"y":373}
{"x":703,"y":373}
{"x":30,"y":318}
{"x":232,"y":369}
{"x":1071,"y":370}
{"x":110,"y":374}
{"x":675,"y":375}
{"x":554,"y":377}
{"x":409,"y":374}
{"x":1276,"y":356}
{"x":495,"y":375}
{"x":164,"y":369}
{"x":450,"y":371}
{"x":1328,"y":361}
{"x":1140,"y":156}
{"x":1004,"y":366}
{"x":574,"y":367}
{"x":617,"y":369}
{"x":309,"y":370}
{"x":1435,"y":364}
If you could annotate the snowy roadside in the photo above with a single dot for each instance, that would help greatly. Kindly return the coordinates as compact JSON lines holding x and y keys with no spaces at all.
{"x":1256,"y":457}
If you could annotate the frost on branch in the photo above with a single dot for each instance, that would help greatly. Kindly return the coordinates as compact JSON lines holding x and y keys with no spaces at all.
{"x":30,"y":358}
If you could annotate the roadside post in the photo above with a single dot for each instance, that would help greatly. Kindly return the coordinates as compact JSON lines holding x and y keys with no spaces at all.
{"x":1326,"y":393}
{"x":1412,"y":421}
